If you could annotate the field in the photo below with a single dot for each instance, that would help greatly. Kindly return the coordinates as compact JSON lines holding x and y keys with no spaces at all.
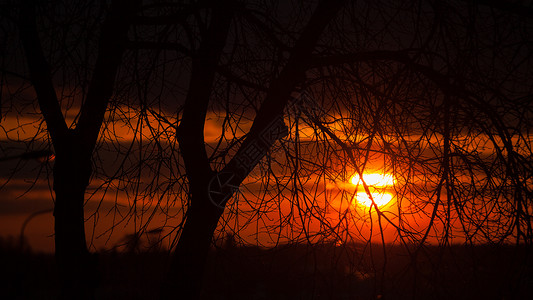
{"x":297,"y":272}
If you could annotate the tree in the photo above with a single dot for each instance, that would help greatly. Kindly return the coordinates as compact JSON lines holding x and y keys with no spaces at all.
{"x":307,"y":95}
{"x":73,"y":146}
{"x":411,"y":90}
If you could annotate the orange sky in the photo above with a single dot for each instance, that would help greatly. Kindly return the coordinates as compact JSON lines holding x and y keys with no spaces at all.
{"x":39,"y":231}
{"x":334,"y":200}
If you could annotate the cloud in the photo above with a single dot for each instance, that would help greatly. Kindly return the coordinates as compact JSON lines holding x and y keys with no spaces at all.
{"x":16,"y":201}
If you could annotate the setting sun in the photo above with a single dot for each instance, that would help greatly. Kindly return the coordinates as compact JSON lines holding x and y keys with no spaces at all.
{"x":374,"y":179}
{"x":377,"y":183}
{"x":381,"y":199}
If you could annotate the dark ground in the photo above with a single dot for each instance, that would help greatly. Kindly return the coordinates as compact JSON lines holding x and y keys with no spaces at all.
{"x":297,"y":272}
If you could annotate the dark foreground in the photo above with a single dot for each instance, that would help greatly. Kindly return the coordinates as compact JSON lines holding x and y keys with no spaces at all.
{"x":298,"y":272}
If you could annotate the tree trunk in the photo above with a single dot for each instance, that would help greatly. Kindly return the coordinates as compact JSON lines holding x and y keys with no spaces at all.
{"x":184,"y":280}
{"x":185,"y":277}
{"x":77,"y":267}
{"x":72,"y":168}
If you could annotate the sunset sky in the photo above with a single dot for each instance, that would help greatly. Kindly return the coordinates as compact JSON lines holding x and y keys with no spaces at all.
{"x":307,"y":149}
{"x":428,"y":156}
{"x":28,"y":191}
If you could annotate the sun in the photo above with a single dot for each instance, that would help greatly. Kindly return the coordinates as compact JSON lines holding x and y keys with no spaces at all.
{"x":377,"y":184}
{"x":381,"y":199}
{"x":374,"y":179}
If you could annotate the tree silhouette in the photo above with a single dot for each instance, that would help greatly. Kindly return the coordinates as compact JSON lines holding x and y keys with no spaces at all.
{"x":73,"y":146}
{"x":303,"y":97}
{"x":410,"y":87}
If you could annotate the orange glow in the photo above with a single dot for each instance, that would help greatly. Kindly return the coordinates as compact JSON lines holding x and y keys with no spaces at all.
{"x":377,"y":183}
{"x":381,"y":199}
{"x":374,"y":179}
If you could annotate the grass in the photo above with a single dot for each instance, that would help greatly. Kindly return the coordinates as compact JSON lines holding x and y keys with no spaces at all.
{"x":296,"y":272}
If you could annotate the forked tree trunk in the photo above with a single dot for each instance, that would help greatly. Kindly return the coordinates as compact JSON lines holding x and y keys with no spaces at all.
{"x":184,"y":280}
{"x":72,"y":168}
{"x":77,"y":267}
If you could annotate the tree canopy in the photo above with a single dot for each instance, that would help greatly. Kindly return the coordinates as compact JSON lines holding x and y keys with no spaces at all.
{"x":252,"y":117}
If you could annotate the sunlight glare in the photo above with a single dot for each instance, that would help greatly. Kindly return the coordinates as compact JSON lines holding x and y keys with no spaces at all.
{"x":381,"y":199}
{"x":374,"y":179}
{"x":378,"y":184}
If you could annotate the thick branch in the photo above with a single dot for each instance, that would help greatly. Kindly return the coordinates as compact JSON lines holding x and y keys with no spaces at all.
{"x":279,"y":93}
{"x":112,"y":44}
{"x":293,"y":74}
{"x":40,"y":73}
{"x":191,"y":129}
